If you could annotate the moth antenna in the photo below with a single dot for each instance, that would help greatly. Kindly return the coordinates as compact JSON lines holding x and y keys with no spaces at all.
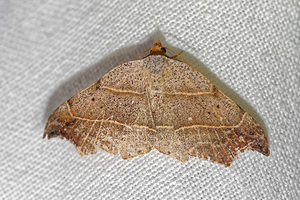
{"x":143,"y":53}
{"x":176,"y":54}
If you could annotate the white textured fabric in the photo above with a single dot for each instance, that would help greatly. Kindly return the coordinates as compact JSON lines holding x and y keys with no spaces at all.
{"x":50,"y":50}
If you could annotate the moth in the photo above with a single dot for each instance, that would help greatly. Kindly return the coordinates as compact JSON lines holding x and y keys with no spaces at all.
{"x":161,"y":103}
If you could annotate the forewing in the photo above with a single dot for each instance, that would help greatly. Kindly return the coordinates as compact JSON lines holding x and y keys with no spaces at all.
{"x":112,"y":114}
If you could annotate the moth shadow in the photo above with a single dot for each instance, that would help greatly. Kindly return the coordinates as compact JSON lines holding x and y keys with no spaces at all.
{"x":88,"y":76}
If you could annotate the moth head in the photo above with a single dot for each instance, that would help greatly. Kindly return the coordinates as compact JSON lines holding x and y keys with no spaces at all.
{"x":158,"y":49}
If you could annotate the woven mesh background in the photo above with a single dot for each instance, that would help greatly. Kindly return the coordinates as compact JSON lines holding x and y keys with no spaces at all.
{"x":50,"y":50}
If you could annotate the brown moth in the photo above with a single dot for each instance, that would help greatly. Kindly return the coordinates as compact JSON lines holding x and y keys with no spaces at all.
{"x":157,"y":103}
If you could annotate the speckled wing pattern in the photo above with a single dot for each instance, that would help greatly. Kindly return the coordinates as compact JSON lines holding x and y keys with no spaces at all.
{"x":157,"y":103}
